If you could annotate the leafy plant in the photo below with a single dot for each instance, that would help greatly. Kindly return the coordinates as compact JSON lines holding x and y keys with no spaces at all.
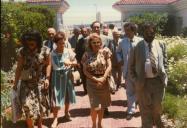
{"x":160,"y":20}
{"x":184,"y":31}
{"x":17,"y":18}
{"x":5,"y":92}
{"x":177,"y":52}
{"x":175,"y":107}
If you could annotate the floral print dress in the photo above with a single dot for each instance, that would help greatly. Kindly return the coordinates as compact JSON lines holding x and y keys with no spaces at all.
{"x":33,"y":97}
{"x":96,"y":65}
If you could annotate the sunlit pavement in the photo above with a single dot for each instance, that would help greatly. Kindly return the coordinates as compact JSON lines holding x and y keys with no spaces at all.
{"x":80,"y":117}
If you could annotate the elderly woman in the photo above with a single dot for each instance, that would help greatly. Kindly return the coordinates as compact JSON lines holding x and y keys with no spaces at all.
{"x":33,"y":71}
{"x":97,"y":66}
{"x":62,"y":60}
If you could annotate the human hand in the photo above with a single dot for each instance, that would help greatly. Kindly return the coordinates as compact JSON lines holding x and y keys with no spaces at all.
{"x":46,"y":83}
{"x":101,"y":80}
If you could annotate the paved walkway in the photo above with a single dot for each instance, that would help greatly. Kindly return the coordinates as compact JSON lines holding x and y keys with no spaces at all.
{"x":80,"y":113}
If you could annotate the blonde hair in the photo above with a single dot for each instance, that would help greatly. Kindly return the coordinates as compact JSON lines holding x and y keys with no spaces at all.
{"x":91,"y":38}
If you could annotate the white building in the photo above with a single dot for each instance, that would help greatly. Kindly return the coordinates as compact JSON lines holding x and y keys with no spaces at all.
{"x":132,"y":7}
{"x":59,"y":5}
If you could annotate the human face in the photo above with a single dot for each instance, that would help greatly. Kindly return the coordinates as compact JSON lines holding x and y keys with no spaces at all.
{"x":96,"y":28}
{"x":84,"y":32}
{"x":116,"y":35}
{"x":76,"y":32}
{"x":105,"y":31}
{"x":51,"y":34}
{"x":129,"y":33}
{"x":149,"y":34}
{"x":31,"y":45}
{"x":95,"y":45}
{"x":60,"y":45}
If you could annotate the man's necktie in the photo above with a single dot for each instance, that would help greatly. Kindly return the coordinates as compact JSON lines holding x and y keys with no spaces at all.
{"x":152,"y":59}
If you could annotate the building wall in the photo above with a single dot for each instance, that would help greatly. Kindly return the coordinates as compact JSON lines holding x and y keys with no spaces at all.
{"x":180,"y":8}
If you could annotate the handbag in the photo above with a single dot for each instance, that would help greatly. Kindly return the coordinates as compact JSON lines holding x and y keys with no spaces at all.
{"x":75,"y":75}
{"x":15,"y":104}
{"x":111,"y":83}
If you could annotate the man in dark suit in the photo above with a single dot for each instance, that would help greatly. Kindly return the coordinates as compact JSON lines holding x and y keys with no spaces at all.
{"x":49,"y":42}
{"x":79,"y":50}
{"x":147,"y":68}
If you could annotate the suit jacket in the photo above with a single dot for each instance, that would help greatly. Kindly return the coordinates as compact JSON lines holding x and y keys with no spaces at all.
{"x":136,"y":66}
{"x":80,"y":48}
{"x":50,"y":44}
{"x":114,"y":49}
{"x":123,"y":52}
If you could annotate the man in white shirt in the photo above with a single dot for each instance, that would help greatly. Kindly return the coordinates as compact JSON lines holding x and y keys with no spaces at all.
{"x":147,"y":69}
{"x":123,"y":57}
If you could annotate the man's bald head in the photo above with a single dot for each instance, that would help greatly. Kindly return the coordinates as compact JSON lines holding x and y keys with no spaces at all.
{"x":51,"y":33}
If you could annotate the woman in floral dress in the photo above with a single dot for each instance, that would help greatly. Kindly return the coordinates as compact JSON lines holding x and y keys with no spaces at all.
{"x":97,"y":67}
{"x":33,"y":71}
{"x":62,"y":60}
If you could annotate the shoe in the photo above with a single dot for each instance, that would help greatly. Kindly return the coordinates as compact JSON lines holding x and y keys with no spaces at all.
{"x":129,"y":116}
{"x":67,"y":116}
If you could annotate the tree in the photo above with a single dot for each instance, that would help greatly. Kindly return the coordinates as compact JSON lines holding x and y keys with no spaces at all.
{"x":17,"y":18}
{"x":159,"y":19}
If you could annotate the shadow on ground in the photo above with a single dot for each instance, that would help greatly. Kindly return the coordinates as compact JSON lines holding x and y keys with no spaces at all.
{"x":119,"y":103}
{"x":120,"y":115}
{"x":81,"y":112}
{"x":80,"y":93}
{"x":22,"y":124}
{"x":10,"y":124}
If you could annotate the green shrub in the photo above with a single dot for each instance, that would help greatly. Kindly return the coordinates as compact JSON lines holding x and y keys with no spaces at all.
{"x":159,"y":19}
{"x":170,"y":106}
{"x":175,"y":107}
{"x":178,"y":78}
{"x":17,"y":18}
{"x":178,"y":51}
{"x":184,"y":32}
{"x":5,"y":94}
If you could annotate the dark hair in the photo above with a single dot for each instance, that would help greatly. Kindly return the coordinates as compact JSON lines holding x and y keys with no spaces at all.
{"x":59,"y":36}
{"x":132,"y":26}
{"x":111,"y":26}
{"x":32,"y":35}
{"x":147,"y":25}
{"x":94,"y":23}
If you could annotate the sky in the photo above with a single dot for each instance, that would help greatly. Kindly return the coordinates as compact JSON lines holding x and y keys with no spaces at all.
{"x":84,"y":11}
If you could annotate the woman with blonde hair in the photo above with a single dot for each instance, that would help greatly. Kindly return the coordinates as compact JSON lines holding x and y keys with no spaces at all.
{"x":97,"y":66}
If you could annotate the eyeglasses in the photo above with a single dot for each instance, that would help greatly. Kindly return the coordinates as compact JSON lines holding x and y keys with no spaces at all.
{"x":95,"y":43}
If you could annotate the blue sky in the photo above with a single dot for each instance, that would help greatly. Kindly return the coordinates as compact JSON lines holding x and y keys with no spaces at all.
{"x":84,"y":11}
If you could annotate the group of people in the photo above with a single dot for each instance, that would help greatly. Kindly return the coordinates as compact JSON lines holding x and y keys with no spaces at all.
{"x":44,"y":72}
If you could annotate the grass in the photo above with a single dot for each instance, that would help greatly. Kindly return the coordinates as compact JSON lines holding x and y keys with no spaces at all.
{"x":176,"y":107}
